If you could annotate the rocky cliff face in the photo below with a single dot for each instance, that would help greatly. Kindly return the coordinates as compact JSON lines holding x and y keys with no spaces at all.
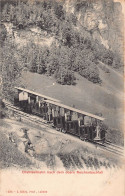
{"x":103,"y":19}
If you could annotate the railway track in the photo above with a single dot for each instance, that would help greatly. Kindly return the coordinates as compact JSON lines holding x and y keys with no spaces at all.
{"x":18,"y":111}
{"x":107,"y":145}
{"x":112,"y":148}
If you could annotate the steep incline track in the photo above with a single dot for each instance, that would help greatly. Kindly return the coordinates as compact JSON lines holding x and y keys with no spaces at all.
{"x":39,"y":121}
{"x":112,"y":148}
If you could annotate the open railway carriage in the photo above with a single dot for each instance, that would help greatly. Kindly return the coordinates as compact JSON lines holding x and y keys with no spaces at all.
{"x":64,"y":118}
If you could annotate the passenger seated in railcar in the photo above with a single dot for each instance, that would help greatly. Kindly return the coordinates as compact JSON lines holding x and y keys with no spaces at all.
{"x":59,"y":122}
{"x":85,"y":129}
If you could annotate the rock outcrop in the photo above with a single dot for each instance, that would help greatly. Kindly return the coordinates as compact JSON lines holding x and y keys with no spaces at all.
{"x":103,"y":19}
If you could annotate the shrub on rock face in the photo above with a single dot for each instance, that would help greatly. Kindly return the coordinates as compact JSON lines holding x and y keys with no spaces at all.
{"x":60,"y":12}
{"x":3,"y":34}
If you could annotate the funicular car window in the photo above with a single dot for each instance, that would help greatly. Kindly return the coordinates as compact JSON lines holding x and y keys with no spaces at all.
{"x":86,"y":130}
{"x":72,"y":125}
{"x":81,"y":122}
{"x":59,"y":120}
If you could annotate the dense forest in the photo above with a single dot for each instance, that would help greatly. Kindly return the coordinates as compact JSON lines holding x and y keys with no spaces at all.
{"x":74,"y":49}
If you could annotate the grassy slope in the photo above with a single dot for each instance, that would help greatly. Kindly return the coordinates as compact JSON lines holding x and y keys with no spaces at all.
{"x":105,"y":99}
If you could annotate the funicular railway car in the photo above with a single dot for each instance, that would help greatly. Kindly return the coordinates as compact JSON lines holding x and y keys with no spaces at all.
{"x":77,"y":122}
{"x":64,"y":118}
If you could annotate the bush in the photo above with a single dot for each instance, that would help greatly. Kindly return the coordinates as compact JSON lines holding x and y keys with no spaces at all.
{"x":3,"y":34}
{"x":64,"y":76}
{"x":91,"y":73}
{"x":59,"y":12}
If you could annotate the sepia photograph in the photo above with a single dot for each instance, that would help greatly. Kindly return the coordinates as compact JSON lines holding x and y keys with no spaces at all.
{"x":62,"y":98}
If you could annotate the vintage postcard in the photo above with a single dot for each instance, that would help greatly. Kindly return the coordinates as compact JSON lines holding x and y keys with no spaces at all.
{"x":62,"y":98}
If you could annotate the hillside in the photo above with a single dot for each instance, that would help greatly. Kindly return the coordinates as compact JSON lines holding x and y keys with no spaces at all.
{"x":105,"y":99}
{"x":78,"y":44}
